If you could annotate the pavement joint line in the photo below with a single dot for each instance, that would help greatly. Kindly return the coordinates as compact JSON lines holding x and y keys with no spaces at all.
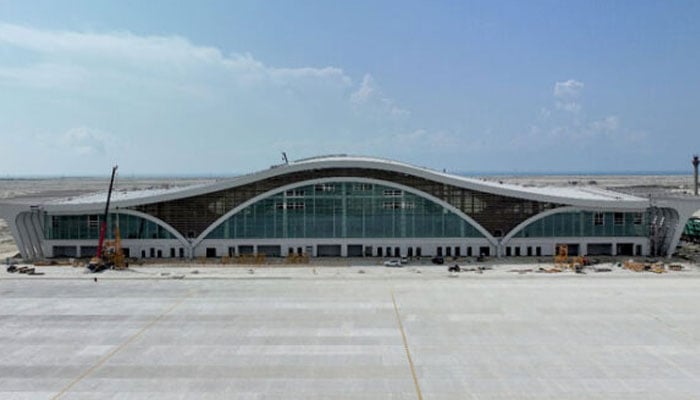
{"x":109,"y":355}
{"x":405,"y":346}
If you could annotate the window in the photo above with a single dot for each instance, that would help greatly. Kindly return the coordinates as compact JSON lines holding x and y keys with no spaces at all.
{"x":395,"y":205}
{"x":392,"y":193}
{"x":362,"y":187}
{"x":324,"y":187}
{"x":295,"y":205}
{"x":296,"y":193}
{"x":619,"y":218}
{"x":599,"y":218}
{"x":290,"y":205}
{"x":638,"y":218}
{"x":93,"y":221}
{"x":391,"y":205}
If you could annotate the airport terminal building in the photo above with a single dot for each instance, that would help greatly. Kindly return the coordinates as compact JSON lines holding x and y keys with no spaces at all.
{"x":341,"y":206}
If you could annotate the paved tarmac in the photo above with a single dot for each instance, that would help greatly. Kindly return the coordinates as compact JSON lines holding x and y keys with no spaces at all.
{"x":339,"y":333}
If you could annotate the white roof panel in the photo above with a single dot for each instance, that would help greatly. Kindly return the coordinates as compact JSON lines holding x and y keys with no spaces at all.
{"x":583,"y":196}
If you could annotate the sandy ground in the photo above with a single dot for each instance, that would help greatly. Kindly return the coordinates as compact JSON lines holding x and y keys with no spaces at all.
{"x":347,"y":269}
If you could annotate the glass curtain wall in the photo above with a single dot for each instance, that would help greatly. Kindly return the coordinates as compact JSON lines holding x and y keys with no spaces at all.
{"x":77,"y":227}
{"x":344,"y":210}
{"x":582,"y":224}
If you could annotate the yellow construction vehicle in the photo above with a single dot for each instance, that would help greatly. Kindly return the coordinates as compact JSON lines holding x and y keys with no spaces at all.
{"x":561,"y":258}
{"x":112,"y":252}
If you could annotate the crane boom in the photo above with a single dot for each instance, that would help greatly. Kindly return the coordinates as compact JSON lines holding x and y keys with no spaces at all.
{"x":103,"y":226}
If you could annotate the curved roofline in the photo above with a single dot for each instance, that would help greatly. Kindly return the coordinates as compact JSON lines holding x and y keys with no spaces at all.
{"x":580,"y":196}
{"x":535,"y":218}
{"x":282,"y":189}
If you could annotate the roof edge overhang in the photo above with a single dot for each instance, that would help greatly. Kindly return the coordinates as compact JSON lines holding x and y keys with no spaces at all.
{"x":591,"y":198}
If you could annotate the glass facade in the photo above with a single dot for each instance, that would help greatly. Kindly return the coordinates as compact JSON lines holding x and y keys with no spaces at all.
{"x":76,"y":227}
{"x":497,"y":214}
{"x":344,"y":210}
{"x":582,"y":224}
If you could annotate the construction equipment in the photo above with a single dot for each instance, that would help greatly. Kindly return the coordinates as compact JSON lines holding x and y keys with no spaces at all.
{"x":561,"y":258}
{"x":112,"y":251}
{"x":633,"y":265}
{"x":656,"y":267}
{"x":114,"y":256}
{"x":691,"y":232}
{"x":297,"y":258}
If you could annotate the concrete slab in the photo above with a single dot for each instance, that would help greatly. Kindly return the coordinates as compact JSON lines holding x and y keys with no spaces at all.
{"x":335,"y":334}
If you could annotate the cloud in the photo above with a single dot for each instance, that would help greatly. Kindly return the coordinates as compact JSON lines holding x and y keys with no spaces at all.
{"x":609,"y":124}
{"x":368,"y":95}
{"x":436,"y":141}
{"x":567,"y":94}
{"x":188,"y":98}
{"x":79,"y":141}
{"x":568,"y":89}
{"x":567,"y":125}
{"x":85,"y":141}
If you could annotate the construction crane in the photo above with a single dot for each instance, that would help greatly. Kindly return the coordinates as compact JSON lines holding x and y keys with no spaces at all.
{"x":113,"y":257}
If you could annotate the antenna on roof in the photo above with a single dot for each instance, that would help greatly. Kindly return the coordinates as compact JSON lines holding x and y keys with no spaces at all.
{"x":284,"y":158}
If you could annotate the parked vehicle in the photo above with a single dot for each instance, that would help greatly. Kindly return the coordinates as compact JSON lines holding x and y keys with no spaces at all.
{"x":392,"y":263}
{"x":439,"y":260}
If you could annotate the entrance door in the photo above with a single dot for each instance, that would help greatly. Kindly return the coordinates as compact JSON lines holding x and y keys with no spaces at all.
{"x":328,"y":250}
{"x":354,"y":250}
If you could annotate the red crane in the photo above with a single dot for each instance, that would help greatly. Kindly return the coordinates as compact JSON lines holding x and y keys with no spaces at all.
{"x":97,"y":264}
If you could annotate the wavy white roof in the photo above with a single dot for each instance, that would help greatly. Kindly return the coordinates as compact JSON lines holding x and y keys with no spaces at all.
{"x":580,"y":196}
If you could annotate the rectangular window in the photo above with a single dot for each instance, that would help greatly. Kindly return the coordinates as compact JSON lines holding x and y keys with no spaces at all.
{"x":599,"y":218}
{"x":290,"y":205}
{"x":362,"y":187}
{"x":391,"y":205}
{"x":295,"y":205}
{"x":93,"y":221}
{"x":392,"y":193}
{"x":296,"y":193}
{"x":619,"y":218}
{"x":325,"y":187}
{"x":395,"y":205}
{"x":638,"y":218}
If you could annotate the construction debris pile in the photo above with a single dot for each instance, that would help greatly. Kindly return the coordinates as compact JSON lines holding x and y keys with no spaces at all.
{"x":23,"y":270}
{"x":689,"y":251}
{"x":657,"y":267}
